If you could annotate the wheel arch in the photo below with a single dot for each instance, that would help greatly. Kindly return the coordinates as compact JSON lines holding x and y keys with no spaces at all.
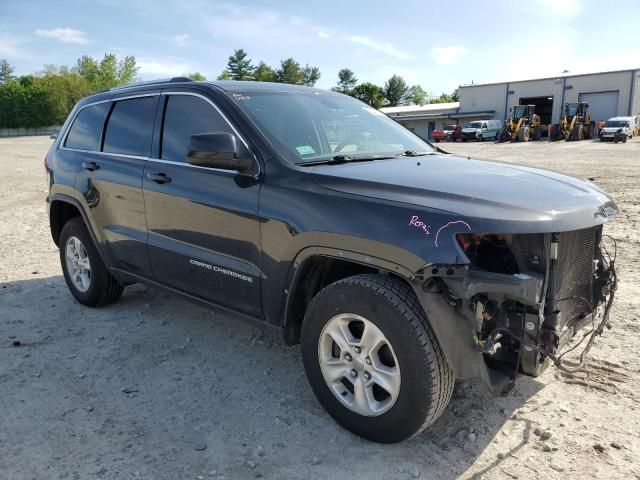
{"x":316,"y":267}
{"x":64,"y":207}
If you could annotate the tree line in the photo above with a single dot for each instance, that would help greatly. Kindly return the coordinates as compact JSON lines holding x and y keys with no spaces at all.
{"x":47,"y":98}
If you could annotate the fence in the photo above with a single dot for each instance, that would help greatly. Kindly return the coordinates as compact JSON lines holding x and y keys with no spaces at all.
{"x":23,"y":132}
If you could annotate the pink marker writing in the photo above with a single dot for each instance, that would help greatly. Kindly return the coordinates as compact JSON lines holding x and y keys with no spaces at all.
{"x":415,"y":222}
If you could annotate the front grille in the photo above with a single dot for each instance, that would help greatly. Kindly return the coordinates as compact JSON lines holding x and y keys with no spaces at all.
{"x":574,"y":280}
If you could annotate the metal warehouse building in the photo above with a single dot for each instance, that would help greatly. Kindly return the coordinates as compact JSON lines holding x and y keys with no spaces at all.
{"x":609,"y":94}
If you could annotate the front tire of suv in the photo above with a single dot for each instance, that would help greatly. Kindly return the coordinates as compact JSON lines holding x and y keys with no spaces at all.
{"x":372,"y":359}
{"x":84,"y":271}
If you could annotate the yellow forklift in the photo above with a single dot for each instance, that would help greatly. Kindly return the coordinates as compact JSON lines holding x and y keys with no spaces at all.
{"x":575,"y":123}
{"x":523,"y":125}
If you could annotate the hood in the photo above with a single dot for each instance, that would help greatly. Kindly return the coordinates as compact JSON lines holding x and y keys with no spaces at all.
{"x":504,"y":197}
{"x":470,"y":130}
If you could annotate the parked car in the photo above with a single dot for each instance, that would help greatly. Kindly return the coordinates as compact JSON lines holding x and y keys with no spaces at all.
{"x":399,"y":268}
{"x":482,"y":130}
{"x":449,"y":133}
{"x":618,"y":129}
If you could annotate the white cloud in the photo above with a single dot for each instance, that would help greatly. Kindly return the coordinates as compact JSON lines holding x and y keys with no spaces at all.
{"x":10,"y":47}
{"x":564,"y":7}
{"x":447,"y":55}
{"x":182,"y":40}
{"x":65,"y":35}
{"x":324,"y":34}
{"x":157,"y":68}
{"x":384,"y":47}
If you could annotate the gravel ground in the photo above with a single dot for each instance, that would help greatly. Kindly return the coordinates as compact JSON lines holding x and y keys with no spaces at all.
{"x":157,"y":388}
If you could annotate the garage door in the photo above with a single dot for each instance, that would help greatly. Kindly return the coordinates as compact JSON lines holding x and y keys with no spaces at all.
{"x":602,"y":105}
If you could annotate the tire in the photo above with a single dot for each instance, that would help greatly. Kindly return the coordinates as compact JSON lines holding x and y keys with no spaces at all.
{"x":388,"y":306}
{"x":101,"y":288}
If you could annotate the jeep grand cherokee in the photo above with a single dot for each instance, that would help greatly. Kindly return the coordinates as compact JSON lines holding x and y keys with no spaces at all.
{"x":399,"y":268}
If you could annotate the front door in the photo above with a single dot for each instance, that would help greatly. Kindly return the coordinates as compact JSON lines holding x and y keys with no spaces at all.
{"x":204,"y":233}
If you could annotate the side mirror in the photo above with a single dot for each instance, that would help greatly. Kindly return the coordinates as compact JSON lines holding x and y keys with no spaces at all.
{"x":53,"y":136}
{"x":218,"y":150}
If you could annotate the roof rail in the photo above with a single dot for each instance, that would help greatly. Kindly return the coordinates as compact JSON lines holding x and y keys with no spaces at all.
{"x":148,"y":82}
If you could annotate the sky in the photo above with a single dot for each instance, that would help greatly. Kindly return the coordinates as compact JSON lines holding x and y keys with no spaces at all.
{"x":438,"y":45}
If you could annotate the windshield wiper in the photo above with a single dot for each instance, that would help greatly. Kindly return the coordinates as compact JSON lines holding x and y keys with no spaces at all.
{"x":338,"y":159}
{"x":413,"y":153}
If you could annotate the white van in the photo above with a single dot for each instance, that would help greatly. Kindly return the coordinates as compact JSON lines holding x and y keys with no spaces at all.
{"x":481,"y":130}
{"x":618,"y":129}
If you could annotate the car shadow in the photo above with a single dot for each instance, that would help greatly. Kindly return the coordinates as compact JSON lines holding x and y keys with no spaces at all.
{"x":159,"y":386}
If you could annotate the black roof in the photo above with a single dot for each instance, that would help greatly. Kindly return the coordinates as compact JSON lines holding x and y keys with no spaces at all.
{"x":229,"y":86}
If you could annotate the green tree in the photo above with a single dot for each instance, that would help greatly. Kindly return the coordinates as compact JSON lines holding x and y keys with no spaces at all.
{"x":417,"y":96}
{"x":290,"y":72}
{"x":264,"y":73}
{"x":109,"y":72}
{"x":196,"y":76}
{"x":225,"y":75}
{"x":24,"y":103}
{"x":369,"y":93}
{"x":239,"y":66}
{"x":6,"y":71}
{"x":446,"y":98}
{"x":346,"y":81}
{"x":395,"y":91}
{"x":65,"y":88}
{"x":311,"y":75}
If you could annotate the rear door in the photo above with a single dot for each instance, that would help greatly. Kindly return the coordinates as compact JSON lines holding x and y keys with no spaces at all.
{"x":204,"y":232}
{"x":110,"y":179}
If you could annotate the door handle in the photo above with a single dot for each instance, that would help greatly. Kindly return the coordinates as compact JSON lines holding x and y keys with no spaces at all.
{"x":158,"y":177}
{"x":91,"y":166}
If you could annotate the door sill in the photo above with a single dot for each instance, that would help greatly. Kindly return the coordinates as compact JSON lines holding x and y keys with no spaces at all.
{"x":255,"y":321}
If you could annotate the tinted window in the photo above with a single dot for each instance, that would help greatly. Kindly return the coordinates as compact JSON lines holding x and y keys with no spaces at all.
{"x":184,"y":116}
{"x":86,"y":128}
{"x":130,"y":127}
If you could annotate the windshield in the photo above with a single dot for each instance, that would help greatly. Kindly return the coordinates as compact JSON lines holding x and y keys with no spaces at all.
{"x":616,"y":123}
{"x":308,"y":127}
{"x":474,"y":125}
{"x":519,"y":111}
{"x":572,"y":109}
{"x":446,"y":128}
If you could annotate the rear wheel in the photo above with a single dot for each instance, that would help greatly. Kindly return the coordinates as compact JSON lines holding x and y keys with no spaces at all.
{"x":372,"y":359}
{"x":84,"y":271}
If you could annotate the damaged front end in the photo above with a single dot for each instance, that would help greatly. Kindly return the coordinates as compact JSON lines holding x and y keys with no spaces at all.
{"x":519,"y":299}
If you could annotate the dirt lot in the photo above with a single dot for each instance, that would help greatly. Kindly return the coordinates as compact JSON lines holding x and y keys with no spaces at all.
{"x":156,"y":388}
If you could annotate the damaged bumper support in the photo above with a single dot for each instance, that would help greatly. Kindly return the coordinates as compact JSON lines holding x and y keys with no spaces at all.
{"x":519,"y":301}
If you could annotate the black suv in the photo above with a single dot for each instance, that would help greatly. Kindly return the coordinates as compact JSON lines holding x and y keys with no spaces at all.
{"x":398,"y":267}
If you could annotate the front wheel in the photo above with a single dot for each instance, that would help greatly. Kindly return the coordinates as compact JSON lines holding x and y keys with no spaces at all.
{"x":372,"y":359}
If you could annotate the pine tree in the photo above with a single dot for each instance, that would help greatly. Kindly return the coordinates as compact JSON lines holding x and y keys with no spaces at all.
{"x":239,"y":66}
{"x":6,"y":71}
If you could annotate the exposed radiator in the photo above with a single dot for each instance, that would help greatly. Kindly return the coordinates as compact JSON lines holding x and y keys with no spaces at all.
{"x":574,"y":281}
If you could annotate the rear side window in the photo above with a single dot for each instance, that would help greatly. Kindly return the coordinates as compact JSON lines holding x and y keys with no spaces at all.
{"x":87,"y":127}
{"x":130,"y":127}
{"x":186,"y":115}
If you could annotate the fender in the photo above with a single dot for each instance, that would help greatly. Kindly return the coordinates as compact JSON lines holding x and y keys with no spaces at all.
{"x":81,"y":207}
